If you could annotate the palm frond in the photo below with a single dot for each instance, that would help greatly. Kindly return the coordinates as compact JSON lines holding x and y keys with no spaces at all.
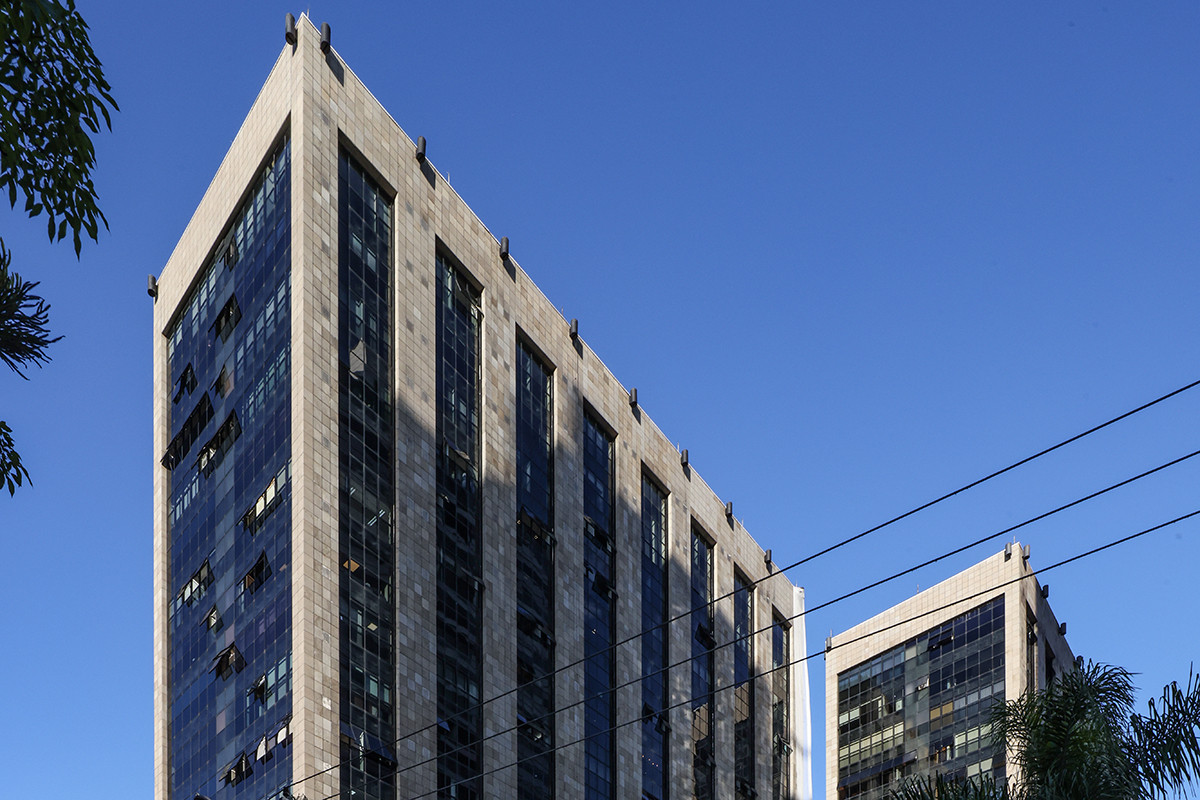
{"x":1165,"y":747}
{"x":1079,"y":739}
{"x":24,"y":320}
{"x":938,"y":787}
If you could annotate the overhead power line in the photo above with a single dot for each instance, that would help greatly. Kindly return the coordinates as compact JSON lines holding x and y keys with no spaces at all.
{"x":818,"y":554}
{"x":633,"y":682}
{"x":805,"y":658}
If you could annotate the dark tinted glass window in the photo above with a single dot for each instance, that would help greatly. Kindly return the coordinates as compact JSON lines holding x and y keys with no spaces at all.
{"x":366,"y":548}
{"x":535,"y":577}
{"x":923,"y":706}
{"x":655,"y":730}
{"x":459,"y":599}
{"x":229,"y":620}
{"x":599,"y":606}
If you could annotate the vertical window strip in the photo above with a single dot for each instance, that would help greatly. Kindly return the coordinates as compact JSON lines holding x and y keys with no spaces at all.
{"x":655,"y":725}
{"x":223,"y":717}
{"x":940,"y":685}
{"x":367,"y":485}
{"x":459,"y":555}
{"x":703,"y":755}
{"x":535,"y":577}
{"x":780,"y":710}
{"x":743,"y":693}
{"x":599,"y":609}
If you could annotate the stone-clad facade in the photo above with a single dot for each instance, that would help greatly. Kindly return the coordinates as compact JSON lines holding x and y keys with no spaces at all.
{"x":317,"y":106}
{"x":908,"y":692}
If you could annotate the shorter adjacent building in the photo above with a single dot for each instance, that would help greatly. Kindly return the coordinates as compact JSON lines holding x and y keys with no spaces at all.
{"x":909,"y":692}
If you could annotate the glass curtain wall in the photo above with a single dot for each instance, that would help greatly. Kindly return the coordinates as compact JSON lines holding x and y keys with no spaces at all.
{"x":703,"y":757}
{"x":535,"y":578}
{"x":655,"y":727}
{"x":743,"y":691}
{"x":366,"y":541}
{"x":599,"y":609}
{"x":459,"y":581}
{"x":229,"y":528}
{"x":781,"y":752}
{"x":924,"y":706}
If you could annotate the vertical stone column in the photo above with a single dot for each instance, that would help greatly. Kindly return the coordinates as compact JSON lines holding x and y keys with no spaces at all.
{"x":315,"y":624}
{"x":679,"y":641}
{"x":415,"y":340}
{"x":801,"y":764}
{"x":498,"y":512}
{"x":162,"y":561}
{"x":569,"y":572}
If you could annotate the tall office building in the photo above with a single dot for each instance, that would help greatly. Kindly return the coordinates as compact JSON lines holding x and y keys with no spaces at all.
{"x":412,"y":538}
{"x":908,"y":693}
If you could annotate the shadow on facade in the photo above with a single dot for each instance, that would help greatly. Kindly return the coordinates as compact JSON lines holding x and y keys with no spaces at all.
{"x":652,"y":713}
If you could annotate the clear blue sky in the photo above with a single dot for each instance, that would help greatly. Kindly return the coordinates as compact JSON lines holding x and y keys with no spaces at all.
{"x":853,"y":255}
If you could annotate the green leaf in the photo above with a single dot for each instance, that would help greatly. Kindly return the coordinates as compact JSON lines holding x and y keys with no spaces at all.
{"x":12,"y":472}
{"x":52,"y":97}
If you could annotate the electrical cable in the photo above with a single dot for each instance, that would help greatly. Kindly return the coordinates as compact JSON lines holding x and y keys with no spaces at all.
{"x":801,"y":562}
{"x":666,"y":669}
{"x":834,"y":547}
{"x":1032,"y":573}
